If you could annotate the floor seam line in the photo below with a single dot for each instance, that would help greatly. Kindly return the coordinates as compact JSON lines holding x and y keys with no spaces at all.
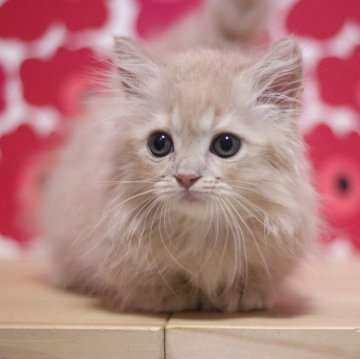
{"x":164,"y":335}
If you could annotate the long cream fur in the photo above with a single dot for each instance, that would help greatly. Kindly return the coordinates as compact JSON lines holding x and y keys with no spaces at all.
{"x":117,"y":220}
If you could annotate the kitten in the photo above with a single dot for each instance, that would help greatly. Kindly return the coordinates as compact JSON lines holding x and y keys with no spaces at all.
{"x":187,"y":187}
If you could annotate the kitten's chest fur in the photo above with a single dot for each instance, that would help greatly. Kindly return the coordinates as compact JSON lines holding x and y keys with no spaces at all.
{"x":195,"y":248}
{"x":202,"y":261}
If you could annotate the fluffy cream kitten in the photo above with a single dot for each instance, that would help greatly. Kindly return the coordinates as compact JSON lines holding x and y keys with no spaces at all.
{"x":186,"y":187}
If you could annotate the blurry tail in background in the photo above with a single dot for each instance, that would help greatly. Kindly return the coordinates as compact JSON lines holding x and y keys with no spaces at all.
{"x":238,"y":20}
{"x":218,"y":23}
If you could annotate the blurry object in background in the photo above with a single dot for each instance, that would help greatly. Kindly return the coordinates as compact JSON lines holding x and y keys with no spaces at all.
{"x":20,"y":170}
{"x":156,"y":16}
{"x":27,"y":20}
{"x":48,"y":48}
{"x":2,"y":86}
{"x":336,"y":163}
{"x":339,"y":80}
{"x":45,"y":71}
{"x":321,"y":19}
{"x":59,"y":81}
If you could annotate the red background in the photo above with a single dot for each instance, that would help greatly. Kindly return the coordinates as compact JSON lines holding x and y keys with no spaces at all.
{"x":48,"y":47}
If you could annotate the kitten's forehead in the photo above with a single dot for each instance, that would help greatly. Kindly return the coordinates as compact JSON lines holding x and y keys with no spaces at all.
{"x":201,"y":97}
{"x":196,"y":66}
{"x":196,"y":82}
{"x":181,"y":122}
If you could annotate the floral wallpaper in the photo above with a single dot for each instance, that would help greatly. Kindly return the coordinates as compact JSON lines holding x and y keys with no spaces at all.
{"x":47,"y":52}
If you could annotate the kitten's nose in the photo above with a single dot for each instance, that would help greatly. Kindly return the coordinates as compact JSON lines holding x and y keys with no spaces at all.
{"x":186,"y":180}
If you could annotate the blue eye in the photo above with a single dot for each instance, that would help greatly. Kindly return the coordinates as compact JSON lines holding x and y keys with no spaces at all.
{"x":225,"y":145}
{"x":160,"y":144}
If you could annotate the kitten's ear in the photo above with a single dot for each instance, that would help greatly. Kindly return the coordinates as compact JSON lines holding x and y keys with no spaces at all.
{"x":278,"y":75}
{"x":135,"y":67}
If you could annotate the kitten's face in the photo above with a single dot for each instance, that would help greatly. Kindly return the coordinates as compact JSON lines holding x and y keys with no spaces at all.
{"x":202,"y":147}
{"x":193,"y":160}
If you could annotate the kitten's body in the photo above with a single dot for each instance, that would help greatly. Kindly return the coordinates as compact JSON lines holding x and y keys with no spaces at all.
{"x":121,"y":224}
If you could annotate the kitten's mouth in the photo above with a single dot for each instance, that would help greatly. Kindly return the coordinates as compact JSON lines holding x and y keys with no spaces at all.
{"x":190,"y":203}
{"x":190,"y":196}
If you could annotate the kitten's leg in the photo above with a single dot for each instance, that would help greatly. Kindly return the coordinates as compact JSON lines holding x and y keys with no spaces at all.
{"x":63,"y":272}
{"x":255,"y":295}
{"x":68,"y":270}
{"x":255,"y":298}
{"x":157,"y":295}
{"x":256,"y":292}
{"x":75,"y":277}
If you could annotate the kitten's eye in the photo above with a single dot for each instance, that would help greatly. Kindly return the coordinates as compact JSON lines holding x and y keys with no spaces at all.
{"x":160,"y":144}
{"x":225,"y":145}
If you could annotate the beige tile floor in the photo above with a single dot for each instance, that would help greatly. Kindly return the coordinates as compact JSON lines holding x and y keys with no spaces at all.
{"x":38,"y":321}
{"x":320,"y":320}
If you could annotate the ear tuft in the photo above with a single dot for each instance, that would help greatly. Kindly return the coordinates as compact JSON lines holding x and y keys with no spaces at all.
{"x":135,"y":67}
{"x":278,"y":75}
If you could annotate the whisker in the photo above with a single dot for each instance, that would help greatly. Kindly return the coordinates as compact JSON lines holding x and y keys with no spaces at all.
{"x":255,"y":241}
{"x":249,"y":203}
{"x":263,"y":197}
{"x":123,"y":182}
{"x":242,"y":201}
{"x":127,"y":199}
{"x":143,"y":218}
{"x":244,"y":245}
{"x":235,"y":237}
{"x":136,"y":221}
{"x":156,"y":264}
{"x":205,"y":237}
{"x":165,"y":245}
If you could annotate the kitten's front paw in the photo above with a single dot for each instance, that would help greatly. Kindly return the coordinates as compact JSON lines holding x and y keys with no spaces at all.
{"x":256,"y":301}
{"x":155,"y":297}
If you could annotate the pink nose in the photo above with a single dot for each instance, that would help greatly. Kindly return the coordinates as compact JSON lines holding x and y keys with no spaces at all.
{"x":186,"y":180}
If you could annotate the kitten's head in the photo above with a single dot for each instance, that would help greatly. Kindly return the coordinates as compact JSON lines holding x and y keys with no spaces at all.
{"x":208,"y":130}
